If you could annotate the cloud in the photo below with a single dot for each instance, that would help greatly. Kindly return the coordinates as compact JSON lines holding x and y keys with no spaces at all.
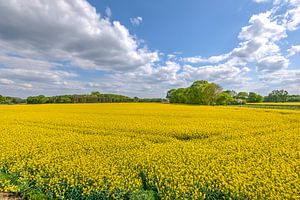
{"x":25,"y":73}
{"x":199,"y":59}
{"x":69,"y":31}
{"x":263,"y":26}
{"x":259,"y":45}
{"x":261,"y":1}
{"x":293,"y":50}
{"x":4,"y":81}
{"x":259,"y":38}
{"x":272,"y":63}
{"x":108,"y":12}
{"x":224,"y":74}
{"x":292,"y":16}
{"x":136,"y":21}
{"x":44,"y":47}
{"x":282,"y":79}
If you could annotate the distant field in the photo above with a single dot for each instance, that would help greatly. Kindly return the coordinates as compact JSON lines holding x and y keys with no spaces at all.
{"x":286,"y":105}
{"x":154,"y":151}
{"x":277,"y":104}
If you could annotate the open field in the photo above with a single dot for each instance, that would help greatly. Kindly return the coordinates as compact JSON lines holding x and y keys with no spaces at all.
{"x":285,"y":105}
{"x":277,"y":104}
{"x":150,"y":150}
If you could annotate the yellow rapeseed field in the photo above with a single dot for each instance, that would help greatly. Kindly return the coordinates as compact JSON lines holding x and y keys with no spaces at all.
{"x":175,"y":151}
{"x":277,"y":104}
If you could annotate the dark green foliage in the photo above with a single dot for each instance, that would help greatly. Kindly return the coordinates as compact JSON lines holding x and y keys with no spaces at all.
{"x":293,"y":98}
{"x":277,"y":96}
{"x":94,"y":97}
{"x":254,"y":98}
{"x":149,"y":100}
{"x":11,"y":100}
{"x":37,"y":99}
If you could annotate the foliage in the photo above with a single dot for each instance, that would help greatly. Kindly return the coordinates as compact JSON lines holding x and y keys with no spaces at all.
{"x":94,"y":97}
{"x":41,"y":99}
{"x":10,"y":100}
{"x":232,"y":93}
{"x":277,"y":96}
{"x":137,"y":150}
{"x":242,"y":95}
{"x":293,"y":98}
{"x":254,"y":98}
{"x":200,"y":92}
{"x":224,"y":99}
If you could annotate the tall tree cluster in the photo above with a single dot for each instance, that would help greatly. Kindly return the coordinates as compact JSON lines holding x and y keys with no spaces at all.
{"x":204,"y":93}
{"x":277,"y":96}
{"x":200,"y":92}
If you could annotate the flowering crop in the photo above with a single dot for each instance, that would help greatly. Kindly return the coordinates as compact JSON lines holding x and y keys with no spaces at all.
{"x":174,"y":151}
{"x":277,"y":104}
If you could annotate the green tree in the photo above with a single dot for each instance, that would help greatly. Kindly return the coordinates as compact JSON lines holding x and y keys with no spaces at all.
{"x":177,"y":95}
{"x":41,"y":99}
{"x":95,"y":93}
{"x":195,"y":92}
{"x":277,"y":96}
{"x":242,"y":95}
{"x":63,"y":99}
{"x":1,"y":99}
{"x":254,"y":98}
{"x":210,"y":93}
{"x":171,"y":95}
{"x":232,"y":93}
{"x":224,"y":99}
{"x":200,"y":92}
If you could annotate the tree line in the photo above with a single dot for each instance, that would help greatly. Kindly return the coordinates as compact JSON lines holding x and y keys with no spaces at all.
{"x":94,"y":97}
{"x":200,"y":92}
{"x":204,"y":93}
{"x":11,"y":100}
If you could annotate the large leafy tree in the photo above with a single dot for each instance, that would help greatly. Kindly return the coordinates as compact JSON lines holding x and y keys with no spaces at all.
{"x":242,"y":95}
{"x":224,"y":99}
{"x":195,"y":92}
{"x":210,"y":93}
{"x":278,"y":96}
{"x":200,"y":92}
{"x":254,"y":98}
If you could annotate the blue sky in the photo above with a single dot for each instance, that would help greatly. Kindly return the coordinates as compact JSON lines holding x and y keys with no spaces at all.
{"x":194,"y":27}
{"x":144,"y":48}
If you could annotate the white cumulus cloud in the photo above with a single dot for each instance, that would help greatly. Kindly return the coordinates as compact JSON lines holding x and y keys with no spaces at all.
{"x":69,"y":30}
{"x":293,"y":50}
